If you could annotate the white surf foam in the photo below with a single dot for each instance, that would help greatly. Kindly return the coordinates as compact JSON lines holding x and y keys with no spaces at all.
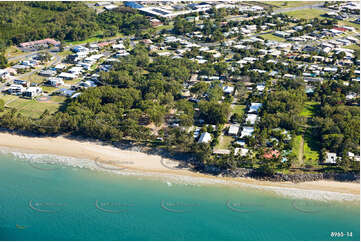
{"x":169,"y":179}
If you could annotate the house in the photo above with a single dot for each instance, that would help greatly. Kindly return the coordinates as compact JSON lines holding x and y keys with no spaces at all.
{"x":98,"y":4}
{"x":352,"y":156}
{"x":47,"y":73}
{"x":241,"y":151}
{"x":75,"y":70}
{"x":260,"y":87}
{"x":4,"y":74}
{"x":241,"y":143}
{"x":228,"y":89}
{"x":119,"y":46}
{"x":21,"y":82}
{"x":330,"y":69}
{"x":254,"y":107}
{"x":65,"y":92}
{"x":59,"y":67}
{"x":121,"y":53}
{"x":87,"y":84}
{"x":15,"y":89}
{"x":32,"y":92}
{"x":233,"y":129}
{"x":20,"y":66}
{"x":205,"y":138}
{"x":67,"y":76}
{"x":77,"y":49}
{"x":351,"y":96}
{"x":55,"y":82}
{"x":110,"y":7}
{"x":40,"y":43}
{"x":247,"y":131}
{"x":251,"y":118}
{"x":105,"y":43}
{"x":281,"y":34}
{"x":221,"y":151}
{"x":155,"y":22}
{"x":331,"y":158}
{"x":269,"y":154}
{"x":86,"y":66}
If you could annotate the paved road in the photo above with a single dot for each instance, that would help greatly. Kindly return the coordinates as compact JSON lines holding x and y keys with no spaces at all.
{"x":27,"y":55}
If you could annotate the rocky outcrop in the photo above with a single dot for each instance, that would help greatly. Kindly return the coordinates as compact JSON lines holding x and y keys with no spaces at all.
{"x":295,"y":178}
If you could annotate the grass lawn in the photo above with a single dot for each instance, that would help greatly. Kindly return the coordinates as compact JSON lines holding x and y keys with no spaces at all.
{"x":290,"y":4}
{"x":34,"y":109}
{"x":7,"y":98}
{"x":35,"y":78}
{"x":224,"y":142}
{"x":304,"y":153}
{"x":310,"y":156}
{"x":12,"y":51}
{"x":29,"y":107}
{"x":297,"y":149}
{"x":58,"y":99}
{"x":48,"y":89}
{"x":272,"y":37}
{"x":167,"y":27}
{"x":306,"y":13}
{"x":310,"y":109}
{"x":311,"y":148}
{"x":65,"y":53}
{"x":238,"y":109}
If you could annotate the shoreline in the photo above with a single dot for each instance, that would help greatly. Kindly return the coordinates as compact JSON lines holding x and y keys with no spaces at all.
{"x":134,"y":162}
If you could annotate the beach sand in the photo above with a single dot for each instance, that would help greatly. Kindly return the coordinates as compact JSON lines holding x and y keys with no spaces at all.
{"x":138,"y":161}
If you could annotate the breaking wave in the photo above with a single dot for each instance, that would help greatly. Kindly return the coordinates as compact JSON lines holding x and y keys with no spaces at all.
{"x":58,"y":162}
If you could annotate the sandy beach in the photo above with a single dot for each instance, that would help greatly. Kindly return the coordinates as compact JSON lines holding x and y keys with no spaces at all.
{"x":103,"y":155}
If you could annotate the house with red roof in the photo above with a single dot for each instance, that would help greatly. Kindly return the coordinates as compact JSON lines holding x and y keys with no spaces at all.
{"x":270,"y":154}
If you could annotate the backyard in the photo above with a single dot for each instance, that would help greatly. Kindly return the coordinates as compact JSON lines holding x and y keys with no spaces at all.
{"x":224,"y":142}
{"x":239,"y":109}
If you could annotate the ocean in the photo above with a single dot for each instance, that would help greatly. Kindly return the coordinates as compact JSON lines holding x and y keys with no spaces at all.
{"x":62,"y":202}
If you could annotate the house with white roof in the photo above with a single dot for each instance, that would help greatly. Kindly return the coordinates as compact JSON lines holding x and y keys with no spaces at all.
{"x":241,"y":151}
{"x":67,"y":76}
{"x":251,"y":118}
{"x":55,"y":81}
{"x":233,"y":129}
{"x":228,"y":89}
{"x":260,"y":87}
{"x":75,"y":70}
{"x":254,"y":107}
{"x":247,"y":131}
{"x":331,"y":158}
{"x":60,"y":66}
{"x":32,"y":92}
{"x":205,"y":138}
{"x":15,"y":89}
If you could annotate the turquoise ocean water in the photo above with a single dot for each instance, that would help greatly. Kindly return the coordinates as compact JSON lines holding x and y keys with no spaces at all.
{"x":70,"y":203}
